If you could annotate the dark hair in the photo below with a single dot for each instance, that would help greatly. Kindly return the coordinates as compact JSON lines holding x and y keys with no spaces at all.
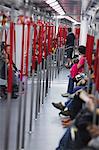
{"x":82,"y":49}
{"x":2,"y":46}
{"x":69,"y":29}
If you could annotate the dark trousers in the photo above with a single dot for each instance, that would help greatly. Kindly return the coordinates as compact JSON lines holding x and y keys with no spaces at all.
{"x":70,"y":85}
{"x":66,"y":142}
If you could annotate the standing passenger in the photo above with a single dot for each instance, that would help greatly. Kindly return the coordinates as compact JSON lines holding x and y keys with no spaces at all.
{"x":69,"y":46}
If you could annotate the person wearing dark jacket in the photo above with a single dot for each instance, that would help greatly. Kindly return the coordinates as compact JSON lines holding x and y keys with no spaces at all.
{"x":69,"y":46}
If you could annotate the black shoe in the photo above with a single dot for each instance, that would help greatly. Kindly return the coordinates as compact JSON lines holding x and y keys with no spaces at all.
{"x":65,"y":95}
{"x":58,"y":106}
{"x":14,"y":96}
{"x":65,"y":113}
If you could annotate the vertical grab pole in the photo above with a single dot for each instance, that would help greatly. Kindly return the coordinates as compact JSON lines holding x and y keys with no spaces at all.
{"x":57,"y":52}
{"x":40,"y":62}
{"x":44,"y":64}
{"x":33,"y":71}
{"x":62,"y":53}
{"x":26,"y":88}
{"x":39,"y":72}
{"x":5,"y":50}
{"x":15,"y":45}
{"x":47,"y":62}
{"x":60,"y":49}
{"x":10,"y":75}
{"x":50,"y":56}
{"x":53,"y":44}
{"x":20,"y":93}
{"x":56,"y":58}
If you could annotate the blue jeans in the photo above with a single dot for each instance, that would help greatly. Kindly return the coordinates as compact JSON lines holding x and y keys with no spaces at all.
{"x":71,"y":88}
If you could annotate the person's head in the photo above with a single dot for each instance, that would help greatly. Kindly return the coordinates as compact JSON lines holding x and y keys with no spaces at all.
{"x":69,"y":29}
{"x":82,"y":49}
{"x":8,"y":49}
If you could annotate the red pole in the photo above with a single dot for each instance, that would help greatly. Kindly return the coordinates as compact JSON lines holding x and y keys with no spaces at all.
{"x":27,"y":53}
{"x":22,"y":54}
{"x":10,"y":69}
{"x":49,"y":40}
{"x":40,"y":44}
{"x":89,"y":49}
{"x":34,"y":47}
{"x":10,"y":80}
{"x":45,"y":46}
{"x":97,"y":67}
{"x":96,"y":59}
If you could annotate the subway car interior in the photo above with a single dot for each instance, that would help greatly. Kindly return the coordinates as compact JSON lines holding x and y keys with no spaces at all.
{"x":49,"y":74}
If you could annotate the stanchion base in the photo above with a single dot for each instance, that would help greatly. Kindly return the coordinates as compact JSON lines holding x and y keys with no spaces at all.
{"x":30,"y":132}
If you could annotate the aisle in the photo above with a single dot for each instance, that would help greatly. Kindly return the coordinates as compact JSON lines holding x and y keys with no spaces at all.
{"x":47,"y":129}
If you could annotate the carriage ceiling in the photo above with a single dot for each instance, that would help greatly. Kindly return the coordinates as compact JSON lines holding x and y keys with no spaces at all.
{"x":71,"y":7}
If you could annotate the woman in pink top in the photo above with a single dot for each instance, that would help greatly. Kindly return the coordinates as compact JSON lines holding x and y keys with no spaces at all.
{"x":76,"y":69}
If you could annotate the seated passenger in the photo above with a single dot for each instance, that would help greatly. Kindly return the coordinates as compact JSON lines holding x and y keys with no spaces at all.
{"x":5,"y":55}
{"x":76,"y":69}
{"x":82,"y":131}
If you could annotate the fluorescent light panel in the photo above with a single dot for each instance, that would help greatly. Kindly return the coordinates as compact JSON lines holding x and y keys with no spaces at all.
{"x":50,"y":1}
{"x":53,"y":4}
{"x":58,"y":9}
{"x":62,"y":13}
{"x":56,"y":6}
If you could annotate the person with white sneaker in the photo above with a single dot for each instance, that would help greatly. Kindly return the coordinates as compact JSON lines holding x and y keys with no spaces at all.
{"x":76,"y":69}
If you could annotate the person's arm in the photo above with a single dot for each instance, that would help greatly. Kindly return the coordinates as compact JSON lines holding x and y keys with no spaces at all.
{"x":93,"y":130}
{"x":14,"y":66}
{"x":66,"y":42}
{"x":81,"y":63}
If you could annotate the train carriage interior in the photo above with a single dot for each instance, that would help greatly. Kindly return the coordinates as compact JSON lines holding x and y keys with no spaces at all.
{"x":49,"y":74}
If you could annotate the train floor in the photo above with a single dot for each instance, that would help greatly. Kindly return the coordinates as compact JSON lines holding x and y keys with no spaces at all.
{"x":47,"y":129}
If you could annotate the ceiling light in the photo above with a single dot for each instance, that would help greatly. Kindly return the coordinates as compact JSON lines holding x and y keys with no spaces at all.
{"x":53,"y":4}
{"x":61,"y":13}
{"x":58,"y":9}
{"x":56,"y":6}
{"x":50,"y":1}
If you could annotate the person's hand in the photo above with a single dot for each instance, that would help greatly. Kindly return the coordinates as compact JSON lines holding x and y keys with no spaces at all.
{"x":81,"y":82}
{"x":93,"y":130}
{"x":89,"y":99}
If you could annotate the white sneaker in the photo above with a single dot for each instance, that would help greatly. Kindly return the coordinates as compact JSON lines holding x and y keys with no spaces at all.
{"x":65,"y":95}
{"x":71,"y":95}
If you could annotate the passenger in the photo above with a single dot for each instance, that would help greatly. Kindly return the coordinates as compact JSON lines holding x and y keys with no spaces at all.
{"x":71,"y":107}
{"x":76,"y":69}
{"x":69,"y":47}
{"x":6,"y":53}
{"x":81,"y":132}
